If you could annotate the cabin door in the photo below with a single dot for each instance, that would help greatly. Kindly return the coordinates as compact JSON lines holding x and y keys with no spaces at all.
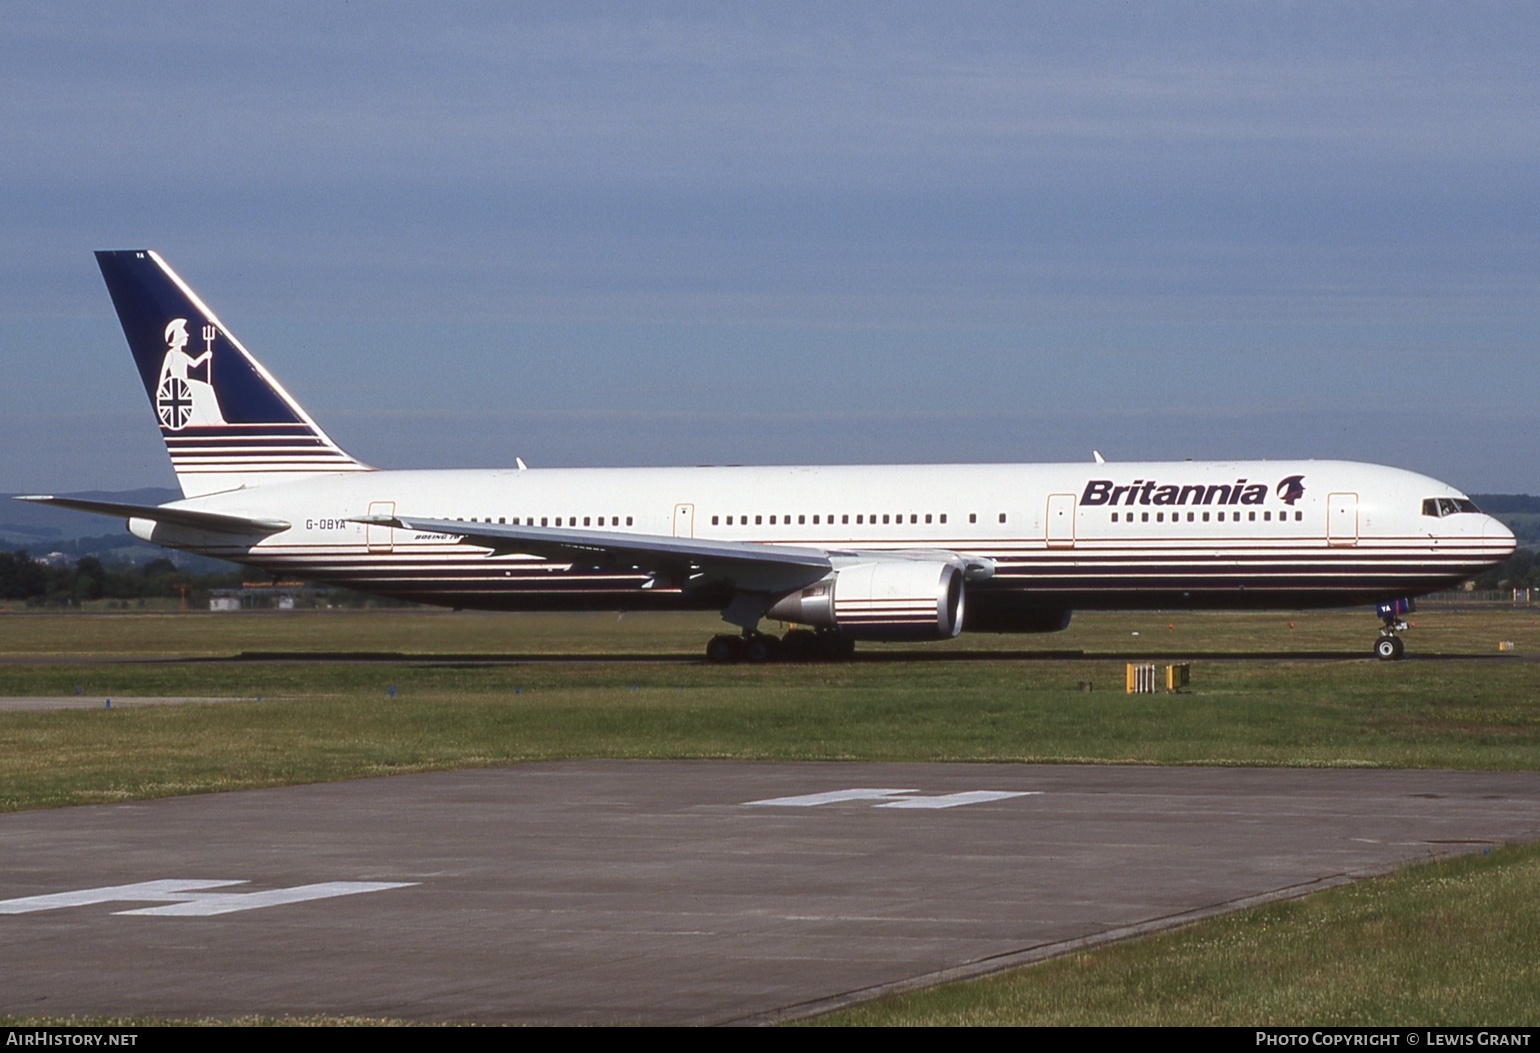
{"x":684,"y":520}
{"x":1060,"y":524}
{"x":1342,"y":519}
{"x":381,"y":538}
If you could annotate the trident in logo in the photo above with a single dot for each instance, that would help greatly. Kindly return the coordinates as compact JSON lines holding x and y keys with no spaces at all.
{"x":209,"y":332}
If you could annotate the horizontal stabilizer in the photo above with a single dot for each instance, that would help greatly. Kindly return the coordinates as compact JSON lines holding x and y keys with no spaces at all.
{"x":185,"y":517}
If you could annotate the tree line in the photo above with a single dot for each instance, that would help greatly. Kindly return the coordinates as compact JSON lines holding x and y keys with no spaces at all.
{"x":24,"y":579}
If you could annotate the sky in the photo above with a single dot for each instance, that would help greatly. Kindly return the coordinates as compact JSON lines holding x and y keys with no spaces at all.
{"x":633,"y":234}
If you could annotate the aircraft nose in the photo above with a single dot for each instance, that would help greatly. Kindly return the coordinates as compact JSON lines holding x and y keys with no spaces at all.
{"x":1498,"y":536}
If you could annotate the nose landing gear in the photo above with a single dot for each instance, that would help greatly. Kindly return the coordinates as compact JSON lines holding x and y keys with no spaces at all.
{"x":1389,"y":647}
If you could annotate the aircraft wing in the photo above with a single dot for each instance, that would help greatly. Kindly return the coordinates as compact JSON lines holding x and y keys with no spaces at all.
{"x":747,"y":566}
{"x":218,"y":522}
{"x":744,"y":565}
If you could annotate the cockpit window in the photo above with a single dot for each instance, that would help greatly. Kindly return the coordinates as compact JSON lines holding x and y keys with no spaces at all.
{"x":1447,"y":506}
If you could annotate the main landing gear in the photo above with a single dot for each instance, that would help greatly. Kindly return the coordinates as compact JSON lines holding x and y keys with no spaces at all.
{"x":798,"y":645}
{"x":1389,"y":648}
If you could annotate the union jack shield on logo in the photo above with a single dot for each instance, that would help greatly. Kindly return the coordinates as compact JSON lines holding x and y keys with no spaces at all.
{"x":174,"y":402}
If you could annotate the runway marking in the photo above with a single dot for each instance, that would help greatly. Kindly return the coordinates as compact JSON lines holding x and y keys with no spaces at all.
{"x":891,"y":798}
{"x":952,"y":800}
{"x":187,"y":898}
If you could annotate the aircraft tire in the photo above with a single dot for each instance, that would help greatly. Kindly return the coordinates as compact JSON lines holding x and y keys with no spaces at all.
{"x":724,"y":649}
{"x":762,"y":648}
{"x":799,"y":645}
{"x":1389,"y":648}
{"x":835,"y":647}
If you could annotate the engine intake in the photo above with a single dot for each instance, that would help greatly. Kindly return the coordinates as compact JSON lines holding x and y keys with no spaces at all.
{"x":882,"y":600}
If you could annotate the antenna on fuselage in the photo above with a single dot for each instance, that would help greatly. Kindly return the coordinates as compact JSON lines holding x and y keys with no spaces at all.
{"x":1099,"y":458}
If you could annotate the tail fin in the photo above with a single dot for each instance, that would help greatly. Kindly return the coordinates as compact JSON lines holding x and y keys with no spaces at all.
{"x":227,"y":423}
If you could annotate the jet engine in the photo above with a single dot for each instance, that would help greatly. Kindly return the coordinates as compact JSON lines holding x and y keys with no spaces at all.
{"x":881,"y":600}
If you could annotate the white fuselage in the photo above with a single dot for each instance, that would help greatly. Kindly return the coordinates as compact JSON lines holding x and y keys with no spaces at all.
{"x":1060,"y":536}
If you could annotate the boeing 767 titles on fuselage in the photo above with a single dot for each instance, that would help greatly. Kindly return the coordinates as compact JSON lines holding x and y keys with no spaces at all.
{"x":888,"y":552}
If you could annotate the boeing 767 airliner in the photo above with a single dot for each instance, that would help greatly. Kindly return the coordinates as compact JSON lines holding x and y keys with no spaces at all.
{"x":889,"y":552}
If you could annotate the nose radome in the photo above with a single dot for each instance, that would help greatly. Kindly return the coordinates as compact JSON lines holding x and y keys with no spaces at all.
{"x":1494,"y":531}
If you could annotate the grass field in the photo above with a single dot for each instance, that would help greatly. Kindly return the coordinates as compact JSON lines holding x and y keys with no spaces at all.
{"x":415,"y":632}
{"x":425,"y":690}
{"x":1443,"y":944}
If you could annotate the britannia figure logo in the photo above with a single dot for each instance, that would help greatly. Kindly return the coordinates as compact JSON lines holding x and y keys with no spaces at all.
{"x":1291,"y":489}
{"x":185,"y":393}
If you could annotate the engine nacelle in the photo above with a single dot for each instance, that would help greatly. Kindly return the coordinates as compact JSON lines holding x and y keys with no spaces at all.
{"x":898,"y":599}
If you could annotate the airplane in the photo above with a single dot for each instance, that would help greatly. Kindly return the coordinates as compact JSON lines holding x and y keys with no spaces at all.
{"x":871,"y":552}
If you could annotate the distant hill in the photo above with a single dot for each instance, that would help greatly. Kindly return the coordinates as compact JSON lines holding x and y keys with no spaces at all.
{"x":1502,"y":504}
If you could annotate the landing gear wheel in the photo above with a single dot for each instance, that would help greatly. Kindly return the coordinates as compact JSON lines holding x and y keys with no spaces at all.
{"x":799,"y":645}
{"x":725,"y":649}
{"x":1389,"y":648}
{"x":761,"y":648}
{"x":835,"y":647}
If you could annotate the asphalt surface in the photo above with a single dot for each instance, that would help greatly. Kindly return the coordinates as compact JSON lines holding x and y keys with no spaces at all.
{"x":675,"y":892}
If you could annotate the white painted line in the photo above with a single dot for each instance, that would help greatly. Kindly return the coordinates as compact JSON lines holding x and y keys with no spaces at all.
{"x":170,"y":889}
{"x":892,"y":798}
{"x":952,"y":800}
{"x":186,"y":898}
{"x":809,"y":800}
{"x":207,"y":904}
